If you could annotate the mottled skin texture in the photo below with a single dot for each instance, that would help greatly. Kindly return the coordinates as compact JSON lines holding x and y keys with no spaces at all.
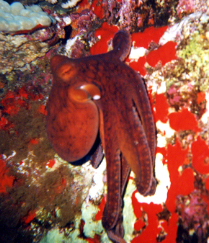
{"x":100,"y":96}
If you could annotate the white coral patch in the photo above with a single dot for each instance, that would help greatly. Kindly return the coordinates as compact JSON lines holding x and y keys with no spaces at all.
{"x":162,"y":176}
{"x":174,"y":32}
{"x":4,"y":6}
{"x":16,"y":17}
{"x":25,"y":12}
{"x":165,"y":132}
{"x":69,"y":44}
{"x":67,"y":20}
{"x":96,"y":190}
{"x":34,"y":8}
{"x":70,"y":4}
{"x":15,"y":8}
{"x":4,"y":25}
{"x":136,"y":53}
{"x":52,"y":1}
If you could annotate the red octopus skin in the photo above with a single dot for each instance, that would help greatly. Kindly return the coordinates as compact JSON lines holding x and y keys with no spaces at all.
{"x":100,"y":96}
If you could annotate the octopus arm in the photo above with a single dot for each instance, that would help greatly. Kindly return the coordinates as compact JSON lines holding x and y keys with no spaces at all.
{"x":97,"y":155}
{"x":117,"y":175}
{"x":113,"y":205}
{"x":142,"y":107}
{"x":137,"y":153}
{"x":121,"y":46}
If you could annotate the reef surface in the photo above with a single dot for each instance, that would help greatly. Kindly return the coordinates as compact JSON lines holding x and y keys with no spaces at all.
{"x":43,"y":197}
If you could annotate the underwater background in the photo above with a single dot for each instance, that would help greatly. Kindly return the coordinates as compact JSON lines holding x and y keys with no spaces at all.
{"x":45,"y":199}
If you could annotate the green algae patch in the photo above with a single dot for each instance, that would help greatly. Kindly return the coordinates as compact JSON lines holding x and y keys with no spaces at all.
{"x":196,"y":59}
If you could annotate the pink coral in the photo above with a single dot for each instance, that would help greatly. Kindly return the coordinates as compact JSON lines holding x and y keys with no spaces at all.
{"x":190,"y":6}
{"x":193,"y":213}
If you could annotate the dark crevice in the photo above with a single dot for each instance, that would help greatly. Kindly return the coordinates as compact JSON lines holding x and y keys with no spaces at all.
{"x":68,"y":31}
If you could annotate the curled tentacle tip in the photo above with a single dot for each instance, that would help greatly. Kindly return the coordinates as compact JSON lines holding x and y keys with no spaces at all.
{"x":122,"y":44}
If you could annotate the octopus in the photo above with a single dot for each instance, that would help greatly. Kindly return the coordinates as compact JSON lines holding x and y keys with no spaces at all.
{"x":98,"y":103}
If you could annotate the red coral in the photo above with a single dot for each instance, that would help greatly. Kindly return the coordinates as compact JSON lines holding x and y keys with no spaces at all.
{"x":106,"y":32}
{"x":183,"y":120}
{"x":98,"y":216}
{"x":139,"y":224}
{"x":149,"y":234}
{"x":160,"y":108}
{"x":182,"y":187}
{"x":200,"y":97}
{"x":42,"y":110}
{"x":50,"y":163}
{"x":5,"y":124}
{"x":34,"y":141}
{"x":29,"y":217}
{"x":171,"y":229}
{"x":159,"y":54}
{"x":139,"y":65}
{"x":200,"y":156}
{"x":23,"y":93}
{"x":135,"y":203}
{"x":97,"y":8}
{"x":140,"y":39}
{"x":182,"y":183}
{"x":143,"y":39}
{"x":175,"y":158}
{"x":10,"y":104}
{"x":151,"y":34}
{"x":13,"y":101}
{"x":5,"y":179}
{"x":96,"y":239}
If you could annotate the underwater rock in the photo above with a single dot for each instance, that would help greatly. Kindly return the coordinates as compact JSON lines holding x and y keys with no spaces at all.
{"x":18,"y":51}
{"x":16,"y":17}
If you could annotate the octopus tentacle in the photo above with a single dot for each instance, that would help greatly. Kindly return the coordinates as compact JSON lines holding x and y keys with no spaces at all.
{"x":116,"y":234}
{"x":115,"y":231}
{"x":145,"y":175}
{"x":113,"y":205}
{"x":97,"y":156}
{"x":121,"y":46}
{"x":136,"y":149}
{"x":125,"y":173}
{"x":142,"y":104}
{"x":114,"y":237}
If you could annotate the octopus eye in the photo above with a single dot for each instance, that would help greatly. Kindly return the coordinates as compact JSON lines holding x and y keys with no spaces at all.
{"x":63,"y":67}
{"x":65,"y":72}
{"x":85,"y":92}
